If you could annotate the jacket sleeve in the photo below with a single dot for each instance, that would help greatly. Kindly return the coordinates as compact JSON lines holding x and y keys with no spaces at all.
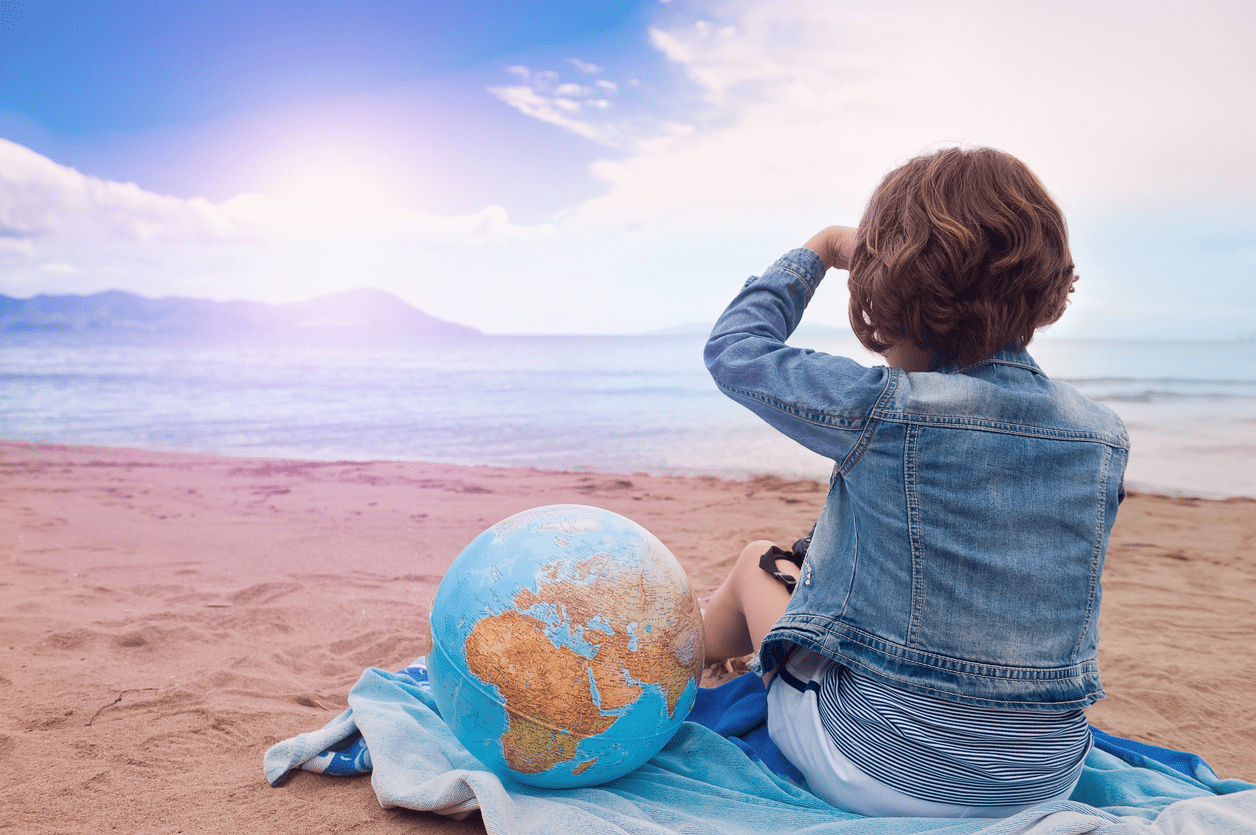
{"x":826,"y":403}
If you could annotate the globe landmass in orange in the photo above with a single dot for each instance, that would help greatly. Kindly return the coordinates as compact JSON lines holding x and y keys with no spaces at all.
{"x":547,"y":686}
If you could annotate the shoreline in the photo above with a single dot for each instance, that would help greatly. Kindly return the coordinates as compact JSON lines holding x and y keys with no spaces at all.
{"x":174,"y":614}
{"x":1134,"y":486}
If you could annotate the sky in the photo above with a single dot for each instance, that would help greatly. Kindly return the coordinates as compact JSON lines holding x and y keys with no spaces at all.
{"x":523,"y":166}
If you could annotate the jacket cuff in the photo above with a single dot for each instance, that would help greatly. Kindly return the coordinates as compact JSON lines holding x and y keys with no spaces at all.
{"x":803,"y":264}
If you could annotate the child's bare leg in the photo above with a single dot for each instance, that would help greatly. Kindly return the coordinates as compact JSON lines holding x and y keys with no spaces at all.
{"x":743,"y":609}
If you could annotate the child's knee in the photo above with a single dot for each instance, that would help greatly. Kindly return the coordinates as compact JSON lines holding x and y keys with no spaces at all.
{"x":752,"y":553}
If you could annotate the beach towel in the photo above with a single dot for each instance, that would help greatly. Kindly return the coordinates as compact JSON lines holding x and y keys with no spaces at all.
{"x":721,"y":775}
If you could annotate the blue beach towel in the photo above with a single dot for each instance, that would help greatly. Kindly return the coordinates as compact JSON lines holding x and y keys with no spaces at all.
{"x":721,"y":775}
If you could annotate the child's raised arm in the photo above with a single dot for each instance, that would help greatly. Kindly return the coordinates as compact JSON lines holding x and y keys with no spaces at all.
{"x":834,"y":245}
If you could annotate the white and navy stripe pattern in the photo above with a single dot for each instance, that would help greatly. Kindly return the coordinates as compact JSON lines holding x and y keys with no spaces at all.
{"x":950,"y":753}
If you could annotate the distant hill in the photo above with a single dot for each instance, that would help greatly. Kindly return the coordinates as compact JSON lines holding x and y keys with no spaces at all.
{"x":363,"y":314}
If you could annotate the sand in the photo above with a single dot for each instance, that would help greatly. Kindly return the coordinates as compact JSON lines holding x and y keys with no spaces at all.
{"x":166,"y":617}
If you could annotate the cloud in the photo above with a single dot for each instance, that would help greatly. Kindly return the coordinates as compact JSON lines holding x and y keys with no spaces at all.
{"x":67,"y":232}
{"x":1130,"y":113}
{"x":41,"y":200}
{"x":578,"y":108}
{"x":1112,"y":101}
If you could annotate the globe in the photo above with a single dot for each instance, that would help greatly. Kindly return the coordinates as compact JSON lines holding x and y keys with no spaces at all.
{"x":566,"y":646}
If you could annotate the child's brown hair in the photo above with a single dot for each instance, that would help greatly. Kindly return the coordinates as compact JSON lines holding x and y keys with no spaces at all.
{"x":959,"y":252}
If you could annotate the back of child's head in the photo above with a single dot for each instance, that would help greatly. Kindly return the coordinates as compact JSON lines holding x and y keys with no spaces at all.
{"x":959,"y":252}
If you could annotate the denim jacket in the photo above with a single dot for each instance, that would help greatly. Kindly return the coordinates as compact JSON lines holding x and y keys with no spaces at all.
{"x":959,"y":551}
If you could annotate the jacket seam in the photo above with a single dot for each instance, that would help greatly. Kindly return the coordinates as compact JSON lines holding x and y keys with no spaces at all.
{"x":873,"y":419}
{"x":1079,"y":701}
{"x":996,"y":361}
{"x":786,"y":264}
{"x":1096,"y":554}
{"x":819,"y":418}
{"x":948,"y":695}
{"x":850,"y":633}
{"x":912,"y":496}
{"x":800,"y":276}
{"x":1003,"y":428}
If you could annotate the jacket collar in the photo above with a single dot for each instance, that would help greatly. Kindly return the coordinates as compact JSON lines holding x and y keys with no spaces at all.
{"x":1010,"y":354}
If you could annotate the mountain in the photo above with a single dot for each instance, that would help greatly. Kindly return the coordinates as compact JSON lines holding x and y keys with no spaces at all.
{"x":362,"y":314}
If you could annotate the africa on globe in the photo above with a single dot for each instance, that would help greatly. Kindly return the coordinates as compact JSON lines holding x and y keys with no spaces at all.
{"x":566,"y":646}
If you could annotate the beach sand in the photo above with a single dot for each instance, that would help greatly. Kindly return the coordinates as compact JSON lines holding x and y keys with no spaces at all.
{"x":165,"y":618}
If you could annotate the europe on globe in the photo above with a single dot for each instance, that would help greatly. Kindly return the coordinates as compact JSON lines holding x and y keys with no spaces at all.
{"x":566,"y":646}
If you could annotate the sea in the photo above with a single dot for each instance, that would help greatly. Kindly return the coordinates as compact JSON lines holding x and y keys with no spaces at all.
{"x":613,"y":404}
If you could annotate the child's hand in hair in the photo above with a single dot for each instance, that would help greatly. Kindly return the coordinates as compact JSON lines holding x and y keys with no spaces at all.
{"x":834,"y":245}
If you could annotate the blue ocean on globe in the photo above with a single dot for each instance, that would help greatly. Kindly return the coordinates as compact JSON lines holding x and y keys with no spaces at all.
{"x":566,"y":646}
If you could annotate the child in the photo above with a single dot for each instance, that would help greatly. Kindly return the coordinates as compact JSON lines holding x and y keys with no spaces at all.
{"x":938,"y":650}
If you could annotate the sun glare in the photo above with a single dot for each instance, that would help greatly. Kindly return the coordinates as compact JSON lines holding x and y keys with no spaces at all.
{"x":335,"y":175}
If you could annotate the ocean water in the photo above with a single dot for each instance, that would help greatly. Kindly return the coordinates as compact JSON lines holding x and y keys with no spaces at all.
{"x":608,"y":404}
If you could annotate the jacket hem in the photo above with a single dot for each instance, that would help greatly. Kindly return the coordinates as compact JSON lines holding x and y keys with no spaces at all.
{"x":956,"y":680}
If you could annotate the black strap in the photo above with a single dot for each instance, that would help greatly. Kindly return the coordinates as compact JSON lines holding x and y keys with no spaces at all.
{"x":767,"y":562}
